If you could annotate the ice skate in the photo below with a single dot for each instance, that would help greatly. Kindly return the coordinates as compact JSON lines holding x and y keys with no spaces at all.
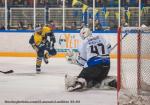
{"x":38,"y":70}
{"x":45,"y":59}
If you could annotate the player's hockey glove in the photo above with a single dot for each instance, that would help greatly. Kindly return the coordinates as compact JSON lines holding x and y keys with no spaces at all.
{"x":35,"y":47}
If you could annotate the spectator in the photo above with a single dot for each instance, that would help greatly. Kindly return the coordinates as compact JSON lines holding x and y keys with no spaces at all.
{"x":90,"y":3}
{"x":18,"y":2}
{"x":2,"y":2}
{"x":29,"y":27}
{"x":105,"y":2}
{"x":73,"y":26}
{"x":133,"y":2}
{"x":39,"y":25}
{"x":10,"y":3}
{"x":59,"y":3}
{"x":68,"y":3}
{"x":2,"y":27}
{"x":98,"y":3}
{"x":116,"y":2}
{"x":20,"y":26}
{"x":148,"y":2}
{"x":85,"y":2}
{"x":90,"y":24}
{"x":51,"y":3}
{"x":98,"y":25}
{"x":112,"y":24}
{"x":52,"y":24}
{"x":111,"y":2}
{"x":123,"y":20}
{"x":40,"y":2}
{"x":47,"y":3}
{"x":82,"y":25}
{"x":30,"y":2}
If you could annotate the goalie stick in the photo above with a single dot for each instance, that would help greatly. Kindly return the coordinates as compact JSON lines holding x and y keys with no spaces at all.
{"x":7,"y":72}
{"x":121,"y":40}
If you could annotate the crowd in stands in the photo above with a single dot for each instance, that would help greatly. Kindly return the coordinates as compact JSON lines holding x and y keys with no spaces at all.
{"x":73,"y":25}
{"x":68,"y":3}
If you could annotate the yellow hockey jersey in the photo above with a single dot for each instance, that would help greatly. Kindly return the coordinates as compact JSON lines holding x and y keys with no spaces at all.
{"x":39,"y":38}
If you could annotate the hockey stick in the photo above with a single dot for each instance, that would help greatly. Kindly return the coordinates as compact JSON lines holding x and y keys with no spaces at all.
{"x":121,"y":40}
{"x":7,"y":72}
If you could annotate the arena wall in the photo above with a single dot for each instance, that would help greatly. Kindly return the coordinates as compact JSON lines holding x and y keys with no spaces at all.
{"x":17,"y":43}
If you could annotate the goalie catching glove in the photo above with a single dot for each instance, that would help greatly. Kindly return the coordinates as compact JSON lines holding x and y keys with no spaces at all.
{"x":71,"y":56}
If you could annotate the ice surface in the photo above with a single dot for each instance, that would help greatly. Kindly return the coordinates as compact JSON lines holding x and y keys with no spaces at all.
{"x":25,"y":85}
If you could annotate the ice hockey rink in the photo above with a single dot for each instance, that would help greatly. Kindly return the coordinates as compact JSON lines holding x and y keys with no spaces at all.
{"x":28,"y":88}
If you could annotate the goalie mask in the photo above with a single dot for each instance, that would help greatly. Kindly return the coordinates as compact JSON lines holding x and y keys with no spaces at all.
{"x":85,"y":32}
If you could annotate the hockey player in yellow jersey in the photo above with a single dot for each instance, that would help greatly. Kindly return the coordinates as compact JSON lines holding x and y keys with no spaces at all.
{"x":42,"y":42}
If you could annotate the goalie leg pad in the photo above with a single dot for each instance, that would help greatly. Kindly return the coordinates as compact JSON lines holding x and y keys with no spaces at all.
{"x":113,"y":83}
{"x":79,"y":84}
{"x":70,"y":81}
{"x":74,"y":83}
{"x":109,"y":82}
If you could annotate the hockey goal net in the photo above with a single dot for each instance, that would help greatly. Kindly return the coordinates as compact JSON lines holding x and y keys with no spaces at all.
{"x":133,"y":66}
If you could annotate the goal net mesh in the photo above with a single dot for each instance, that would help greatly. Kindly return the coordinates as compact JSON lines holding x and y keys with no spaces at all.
{"x":134,"y":69}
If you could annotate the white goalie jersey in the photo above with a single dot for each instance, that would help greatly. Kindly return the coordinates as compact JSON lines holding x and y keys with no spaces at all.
{"x":92,"y":46}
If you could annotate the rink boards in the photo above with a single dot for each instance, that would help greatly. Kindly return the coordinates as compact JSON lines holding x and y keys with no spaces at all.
{"x":16,"y":44}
